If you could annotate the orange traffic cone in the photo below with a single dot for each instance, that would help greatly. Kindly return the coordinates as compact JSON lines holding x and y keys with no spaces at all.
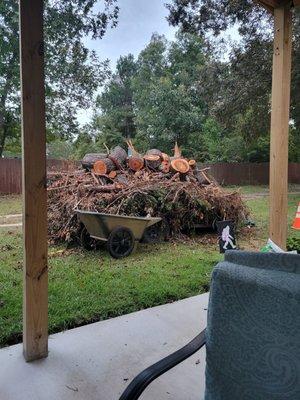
{"x":296,"y":224}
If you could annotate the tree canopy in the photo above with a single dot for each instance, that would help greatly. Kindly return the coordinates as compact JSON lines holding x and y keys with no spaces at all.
{"x":72,"y":71}
{"x":158,"y":98}
{"x":216,"y":105}
{"x":217,"y":109}
{"x":244,"y":87}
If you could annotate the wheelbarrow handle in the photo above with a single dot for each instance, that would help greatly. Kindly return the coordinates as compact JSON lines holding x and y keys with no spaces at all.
{"x":143,"y":379}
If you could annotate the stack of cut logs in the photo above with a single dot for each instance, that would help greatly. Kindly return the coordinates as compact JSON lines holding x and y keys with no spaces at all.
{"x":112,"y":163}
{"x":153,"y":184}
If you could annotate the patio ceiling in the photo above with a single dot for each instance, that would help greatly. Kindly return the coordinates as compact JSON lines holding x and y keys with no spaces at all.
{"x":35,"y":305}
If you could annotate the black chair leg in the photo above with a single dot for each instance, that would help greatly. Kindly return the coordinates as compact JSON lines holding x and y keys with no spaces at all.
{"x":143,"y":379}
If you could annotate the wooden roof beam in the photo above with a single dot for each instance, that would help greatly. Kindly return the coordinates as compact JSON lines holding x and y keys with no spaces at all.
{"x":266,"y":7}
{"x":269,"y":4}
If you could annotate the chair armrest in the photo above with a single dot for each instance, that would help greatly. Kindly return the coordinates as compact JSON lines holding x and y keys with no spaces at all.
{"x":143,"y":379}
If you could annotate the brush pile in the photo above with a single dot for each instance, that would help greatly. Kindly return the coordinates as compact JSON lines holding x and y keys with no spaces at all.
{"x":153,"y":185}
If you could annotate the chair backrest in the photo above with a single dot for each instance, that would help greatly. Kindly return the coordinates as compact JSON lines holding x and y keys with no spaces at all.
{"x":253,"y":328}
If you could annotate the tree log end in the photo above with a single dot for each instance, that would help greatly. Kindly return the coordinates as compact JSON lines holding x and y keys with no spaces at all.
{"x":180,"y":165}
{"x":136,"y":163}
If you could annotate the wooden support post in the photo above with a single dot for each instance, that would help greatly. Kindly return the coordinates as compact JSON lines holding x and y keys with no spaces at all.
{"x":35,"y":295}
{"x":280,"y":125}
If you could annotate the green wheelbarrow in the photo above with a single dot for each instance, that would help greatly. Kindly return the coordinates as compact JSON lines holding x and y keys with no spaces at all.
{"x":120,"y":232}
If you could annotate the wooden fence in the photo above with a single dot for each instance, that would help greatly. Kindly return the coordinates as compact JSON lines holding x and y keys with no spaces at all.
{"x":248,"y":173}
{"x":225,"y":173}
{"x":11,"y":173}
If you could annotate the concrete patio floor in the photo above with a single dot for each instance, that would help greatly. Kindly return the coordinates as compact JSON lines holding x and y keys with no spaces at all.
{"x":98,"y":361}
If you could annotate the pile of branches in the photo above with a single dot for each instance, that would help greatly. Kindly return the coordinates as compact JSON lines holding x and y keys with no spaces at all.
{"x":182,"y":199}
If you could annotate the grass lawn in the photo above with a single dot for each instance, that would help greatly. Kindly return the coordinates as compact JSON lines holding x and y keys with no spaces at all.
{"x":263,"y":189}
{"x":89,"y":286}
{"x":10,"y":205}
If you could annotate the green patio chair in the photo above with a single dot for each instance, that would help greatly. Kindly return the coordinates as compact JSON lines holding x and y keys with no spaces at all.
{"x":253,"y":331}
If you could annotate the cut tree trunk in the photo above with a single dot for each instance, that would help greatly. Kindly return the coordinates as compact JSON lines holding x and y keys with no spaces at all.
{"x":192,"y":163}
{"x":89,"y":160}
{"x":118,"y":155}
{"x":154,"y":152}
{"x":202,"y":177}
{"x":136,"y":163}
{"x":180,"y":165}
{"x":153,"y":159}
{"x":112,"y":162}
{"x":112,"y":174}
{"x":104,"y":167}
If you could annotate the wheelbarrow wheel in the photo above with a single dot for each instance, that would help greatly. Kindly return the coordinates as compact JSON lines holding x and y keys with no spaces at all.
{"x":157,"y":233}
{"x":120,"y":242}
{"x":86,"y":241}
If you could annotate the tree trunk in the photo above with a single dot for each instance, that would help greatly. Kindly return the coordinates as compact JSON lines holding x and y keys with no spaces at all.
{"x":89,"y":160}
{"x":114,"y":161}
{"x":3,"y":133}
{"x":180,"y":165}
{"x":192,"y":163}
{"x":118,"y":155}
{"x":3,"y":98}
{"x":104,"y":167}
{"x":136,"y":163}
{"x":153,"y":159}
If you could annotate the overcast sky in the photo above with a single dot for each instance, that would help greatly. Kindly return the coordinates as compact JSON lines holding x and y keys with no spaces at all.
{"x":138,"y":19}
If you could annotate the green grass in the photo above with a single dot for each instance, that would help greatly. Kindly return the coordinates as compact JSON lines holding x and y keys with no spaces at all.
{"x":264,"y":189}
{"x":10,"y":205}
{"x":90,"y":286}
{"x":260,"y":212}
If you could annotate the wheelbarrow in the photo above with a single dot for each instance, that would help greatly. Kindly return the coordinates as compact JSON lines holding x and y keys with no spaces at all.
{"x":120,"y":232}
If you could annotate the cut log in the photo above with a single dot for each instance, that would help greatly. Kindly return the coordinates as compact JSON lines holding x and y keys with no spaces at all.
{"x":89,"y":160}
{"x":203,"y":178}
{"x":180,"y":165}
{"x":118,"y":155}
{"x":192,"y":163}
{"x":154,"y":152}
{"x":104,"y":167}
{"x":165,"y":166}
{"x":112,"y":174}
{"x":151,"y":157}
{"x":122,"y":179}
{"x":114,"y":161}
{"x":135,"y":163}
{"x":152,"y":161}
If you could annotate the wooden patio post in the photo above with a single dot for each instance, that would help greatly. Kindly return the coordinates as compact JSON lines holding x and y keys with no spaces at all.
{"x":35,"y":293}
{"x":280,"y":124}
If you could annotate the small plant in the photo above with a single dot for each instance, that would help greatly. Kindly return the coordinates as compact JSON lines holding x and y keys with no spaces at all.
{"x":293,"y":243}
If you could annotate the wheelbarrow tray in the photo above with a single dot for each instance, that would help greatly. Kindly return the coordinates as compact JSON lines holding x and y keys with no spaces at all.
{"x":100,"y":225}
